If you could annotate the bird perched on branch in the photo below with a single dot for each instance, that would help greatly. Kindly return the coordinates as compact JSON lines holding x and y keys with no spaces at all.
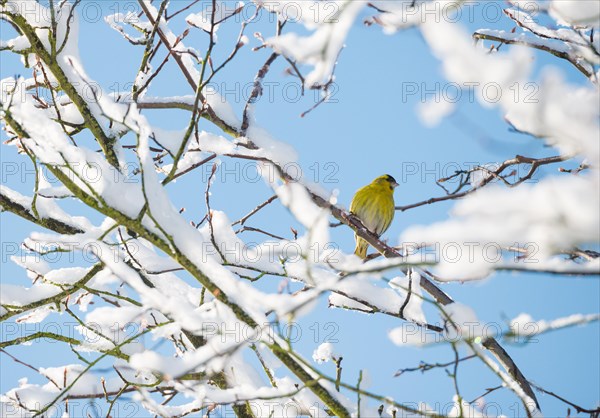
{"x":374,"y":206}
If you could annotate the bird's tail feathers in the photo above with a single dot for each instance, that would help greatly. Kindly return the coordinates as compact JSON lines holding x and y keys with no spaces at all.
{"x":361,"y":248}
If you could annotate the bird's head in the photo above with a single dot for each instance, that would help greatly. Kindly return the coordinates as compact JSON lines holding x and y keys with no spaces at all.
{"x":386,"y":180}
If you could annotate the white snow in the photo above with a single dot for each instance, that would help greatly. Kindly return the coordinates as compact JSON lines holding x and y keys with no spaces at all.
{"x":324,"y":353}
{"x":479,"y":237}
{"x":322,"y":47}
{"x":495,"y":218}
{"x":576,"y":13}
{"x":525,"y":325}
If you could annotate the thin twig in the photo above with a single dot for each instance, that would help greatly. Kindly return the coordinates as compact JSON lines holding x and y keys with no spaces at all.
{"x":519,"y":159}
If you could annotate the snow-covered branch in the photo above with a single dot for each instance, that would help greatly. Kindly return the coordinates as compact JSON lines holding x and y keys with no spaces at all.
{"x":192,"y":309}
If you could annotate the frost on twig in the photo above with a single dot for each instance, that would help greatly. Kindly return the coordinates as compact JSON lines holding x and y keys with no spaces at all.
{"x":188,"y":308}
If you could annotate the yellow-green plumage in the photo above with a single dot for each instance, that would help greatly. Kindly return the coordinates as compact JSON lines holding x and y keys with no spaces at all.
{"x":374,"y":206}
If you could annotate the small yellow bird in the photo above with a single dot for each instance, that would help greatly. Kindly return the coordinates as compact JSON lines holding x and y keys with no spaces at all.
{"x":374,"y":206}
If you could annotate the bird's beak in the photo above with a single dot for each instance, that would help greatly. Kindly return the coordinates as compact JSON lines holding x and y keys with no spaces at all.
{"x":394,"y":185}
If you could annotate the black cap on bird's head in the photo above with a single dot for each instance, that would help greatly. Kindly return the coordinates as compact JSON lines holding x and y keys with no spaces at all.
{"x":386,"y":180}
{"x":392,"y":180}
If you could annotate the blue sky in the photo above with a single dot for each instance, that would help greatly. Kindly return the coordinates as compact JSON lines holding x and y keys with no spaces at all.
{"x":369,"y":130}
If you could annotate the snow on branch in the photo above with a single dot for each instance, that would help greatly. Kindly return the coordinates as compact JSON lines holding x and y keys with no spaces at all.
{"x":189,"y":310}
